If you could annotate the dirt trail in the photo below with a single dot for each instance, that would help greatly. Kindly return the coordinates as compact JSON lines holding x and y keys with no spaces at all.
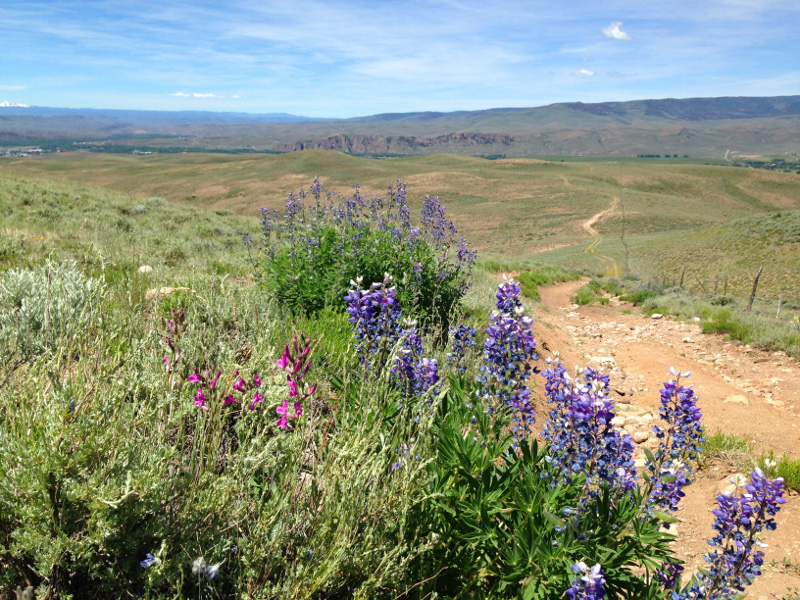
{"x":747,"y":392}
{"x":612,"y":268}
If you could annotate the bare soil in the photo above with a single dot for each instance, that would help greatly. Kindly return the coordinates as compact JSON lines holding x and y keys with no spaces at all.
{"x":747,"y":392}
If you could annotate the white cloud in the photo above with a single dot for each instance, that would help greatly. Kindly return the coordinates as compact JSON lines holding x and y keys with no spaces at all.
{"x":613,"y":32}
{"x":584,"y":73}
{"x":236,"y":97}
{"x":12,"y":88}
{"x":194,"y":95}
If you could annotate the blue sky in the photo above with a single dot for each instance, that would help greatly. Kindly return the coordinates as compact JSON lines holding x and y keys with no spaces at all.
{"x":352,"y":58}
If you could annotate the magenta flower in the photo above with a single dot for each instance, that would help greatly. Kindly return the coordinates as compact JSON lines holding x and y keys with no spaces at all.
{"x":200,"y":399}
{"x":256,"y":400}
{"x":256,"y":380}
{"x":283,"y":410}
{"x":229,"y":399}
{"x":283,"y":361}
{"x":214,"y":381}
{"x":292,"y":388}
{"x":195,"y":377}
{"x":298,"y":409}
{"x":240,"y":385}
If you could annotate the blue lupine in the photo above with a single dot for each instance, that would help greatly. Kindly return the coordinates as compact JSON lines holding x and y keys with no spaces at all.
{"x":580,"y":434}
{"x":678,"y":447}
{"x":149,"y":561}
{"x":374,"y":315}
{"x":463,"y":338}
{"x":737,"y":558}
{"x":508,"y":352}
{"x":588,"y":583}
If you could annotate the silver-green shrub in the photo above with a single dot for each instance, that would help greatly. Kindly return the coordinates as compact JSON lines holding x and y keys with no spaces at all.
{"x":45,"y":306}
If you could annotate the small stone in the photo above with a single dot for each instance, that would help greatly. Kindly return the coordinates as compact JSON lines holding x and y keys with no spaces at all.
{"x":775,"y":403}
{"x":656,"y":316}
{"x":618,"y":421}
{"x":697,"y":319}
{"x":756,"y":393}
{"x":688,"y":340}
{"x":738,"y":399}
{"x":145,"y":269}
{"x":640,"y":437}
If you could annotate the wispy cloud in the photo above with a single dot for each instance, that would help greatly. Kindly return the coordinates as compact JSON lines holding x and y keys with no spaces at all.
{"x":613,"y":32}
{"x":197,"y":95}
{"x":358,"y":57}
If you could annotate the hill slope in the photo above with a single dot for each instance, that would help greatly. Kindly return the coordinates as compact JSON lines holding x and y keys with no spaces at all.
{"x":692,"y":126}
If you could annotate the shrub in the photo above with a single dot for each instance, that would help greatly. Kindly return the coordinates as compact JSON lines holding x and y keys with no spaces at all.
{"x":638,"y":297}
{"x":43,"y":308}
{"x":313,"y":253}
{"x":586,"y":297}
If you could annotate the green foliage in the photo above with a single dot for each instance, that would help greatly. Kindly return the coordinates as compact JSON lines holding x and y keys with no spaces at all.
{"x":314,"y":254}
{"x":44,"y":308}
{"x":586,"y":297}
{"x":726,"y":447}
{"x":543,"y":275}
{"x":504,"y":532}
{"x":784,"y":467}
{"x":105,"y":458}
{"x":639,"y":296}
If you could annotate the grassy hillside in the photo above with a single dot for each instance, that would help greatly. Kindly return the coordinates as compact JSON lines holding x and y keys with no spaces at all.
{"x":522,"y":209}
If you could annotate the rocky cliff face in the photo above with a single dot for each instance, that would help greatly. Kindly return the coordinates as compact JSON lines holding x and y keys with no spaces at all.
{"x":371,"y":144}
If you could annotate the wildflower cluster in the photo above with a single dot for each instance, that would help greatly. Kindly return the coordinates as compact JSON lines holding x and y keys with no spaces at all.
{"x":374,"y":316}
{"x":588,"y":583}
{"x":204,"y":379}
{"x":314,"y":251}
{"x":579,"y":431}
{"x":508,"y":350}
{"x":737,"y":555}
{"x":413,"y":372}
{"x":296,"y":362}
{"x":670,"y":469}
{"x":463,"y":338}
{"x":241,"y":388}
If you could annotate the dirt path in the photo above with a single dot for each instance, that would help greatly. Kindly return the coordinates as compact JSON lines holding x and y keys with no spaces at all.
{"x":750,"y":393}
{"x":612,"y":268}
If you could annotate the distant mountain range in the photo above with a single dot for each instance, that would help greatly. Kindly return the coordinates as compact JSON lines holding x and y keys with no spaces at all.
{"x":692,"y":126}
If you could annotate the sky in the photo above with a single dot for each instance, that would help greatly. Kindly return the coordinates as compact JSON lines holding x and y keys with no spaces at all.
{"x":352,"y":58}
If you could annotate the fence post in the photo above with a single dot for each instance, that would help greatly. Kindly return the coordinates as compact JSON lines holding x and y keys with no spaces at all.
{"x":683,"y":272}
{"x":753,"y":293}
{"x":780,"y":299}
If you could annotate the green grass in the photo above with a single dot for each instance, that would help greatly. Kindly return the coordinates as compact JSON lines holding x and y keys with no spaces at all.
{"x":760,"y":328}
{"x":785,"y":467}
{"x":543,"y":275}
{"x":726,"y":447}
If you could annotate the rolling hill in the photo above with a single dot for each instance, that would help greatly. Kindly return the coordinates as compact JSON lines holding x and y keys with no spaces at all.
{"x":707,"y":127}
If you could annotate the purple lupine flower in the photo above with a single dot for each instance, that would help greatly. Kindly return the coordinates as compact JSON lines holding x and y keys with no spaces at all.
{"x":463,"y":337}
{"x":588,"y":583}
{"x":679,"y":445}
{"x":374,"y":316}
{"x":508,"y":351}
{"x":737,"y":556}
{"x":579,"y":431}
{"x":149,"y":561}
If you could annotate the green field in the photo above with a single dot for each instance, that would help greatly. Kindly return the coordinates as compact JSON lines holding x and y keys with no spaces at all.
{"x":718,"y":222}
